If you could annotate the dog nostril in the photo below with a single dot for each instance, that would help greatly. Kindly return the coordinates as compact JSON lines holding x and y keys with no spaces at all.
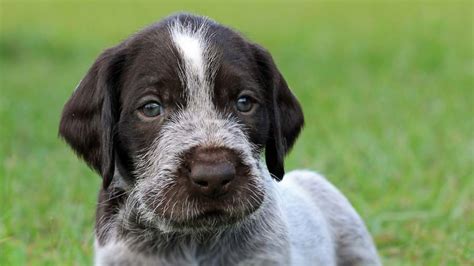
{"x":201,"y":183}
{"x":226,"y":181}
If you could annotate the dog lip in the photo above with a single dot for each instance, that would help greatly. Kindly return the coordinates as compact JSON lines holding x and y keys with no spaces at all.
{"x":211,"y":214}
{"x":214,"y":217}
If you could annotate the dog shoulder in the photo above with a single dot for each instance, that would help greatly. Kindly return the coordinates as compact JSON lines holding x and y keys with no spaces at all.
{"x":352,"y":242}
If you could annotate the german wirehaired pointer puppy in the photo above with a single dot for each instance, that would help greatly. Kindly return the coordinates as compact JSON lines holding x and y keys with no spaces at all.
{"x":176,"y":119}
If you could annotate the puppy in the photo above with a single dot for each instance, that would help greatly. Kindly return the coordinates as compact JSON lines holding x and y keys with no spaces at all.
{"x":176,"y":119}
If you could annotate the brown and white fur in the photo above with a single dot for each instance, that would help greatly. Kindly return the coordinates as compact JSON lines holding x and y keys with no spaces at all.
{"x":192,"y":179}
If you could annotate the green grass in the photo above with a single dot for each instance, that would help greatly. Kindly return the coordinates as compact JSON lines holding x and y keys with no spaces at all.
{"x":387,"y":91}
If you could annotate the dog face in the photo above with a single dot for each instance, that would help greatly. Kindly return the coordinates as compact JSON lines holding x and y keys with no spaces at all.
{"x":178,"y":116}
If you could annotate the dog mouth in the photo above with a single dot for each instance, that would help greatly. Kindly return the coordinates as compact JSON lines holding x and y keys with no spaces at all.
{"x":213,"y":218}
{"x":183,"y":210}
{"x":212,"y":214}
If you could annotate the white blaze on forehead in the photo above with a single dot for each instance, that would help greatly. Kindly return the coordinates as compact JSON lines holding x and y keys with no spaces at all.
{"x":191,"y":49}
{"x":196,"y":68}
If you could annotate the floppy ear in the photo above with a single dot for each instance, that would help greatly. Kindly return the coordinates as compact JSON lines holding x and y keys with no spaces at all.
{"x":286,"y":116}
{"x":89,"y":116}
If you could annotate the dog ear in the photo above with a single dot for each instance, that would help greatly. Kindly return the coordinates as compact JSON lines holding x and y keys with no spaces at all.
{"x":286,"y":116}
{"x":89,"y":117}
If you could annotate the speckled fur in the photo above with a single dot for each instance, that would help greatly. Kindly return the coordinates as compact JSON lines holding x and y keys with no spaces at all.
{"x":303,"y":220}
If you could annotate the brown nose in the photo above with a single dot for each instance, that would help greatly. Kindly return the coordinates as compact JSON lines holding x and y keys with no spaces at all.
{"x":212,"y":172}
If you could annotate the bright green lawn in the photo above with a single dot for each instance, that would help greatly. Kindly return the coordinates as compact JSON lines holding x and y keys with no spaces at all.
{"x":387,"y":90}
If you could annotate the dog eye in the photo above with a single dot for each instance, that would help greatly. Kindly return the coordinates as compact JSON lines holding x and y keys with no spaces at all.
{"x":244,"y":104}
{"x":152,"y":109}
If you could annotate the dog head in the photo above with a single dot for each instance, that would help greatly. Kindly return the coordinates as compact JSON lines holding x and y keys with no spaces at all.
{"x":179,"y":116}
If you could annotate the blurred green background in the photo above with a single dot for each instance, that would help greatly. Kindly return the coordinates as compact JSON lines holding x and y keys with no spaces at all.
{"x":387,"y":89}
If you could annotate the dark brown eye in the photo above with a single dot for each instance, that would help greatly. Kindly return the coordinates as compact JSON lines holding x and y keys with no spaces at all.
{"x":244,"y":104}
{"x":152,"y":109}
